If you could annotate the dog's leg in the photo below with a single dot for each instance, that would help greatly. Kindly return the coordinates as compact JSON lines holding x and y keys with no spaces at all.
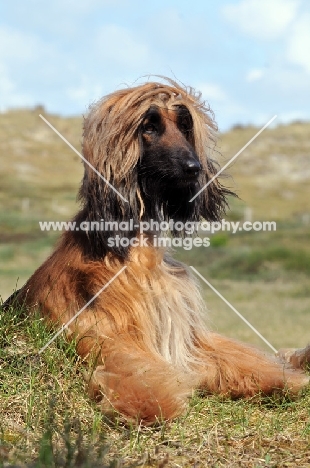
{"x":299,"y":358}
{"x":139,"y":386}
{"x":239,"y":370}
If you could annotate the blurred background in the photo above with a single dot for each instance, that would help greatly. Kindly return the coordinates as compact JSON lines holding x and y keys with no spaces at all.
{"x":249,"y":58}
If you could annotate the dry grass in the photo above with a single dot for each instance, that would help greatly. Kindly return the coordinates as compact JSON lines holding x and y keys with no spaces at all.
{"x":47,"y":419}
{"x":46,"y":416}
{"x":272,"y":175}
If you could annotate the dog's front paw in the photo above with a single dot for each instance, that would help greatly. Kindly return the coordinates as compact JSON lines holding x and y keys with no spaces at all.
{"x":297,"y":357}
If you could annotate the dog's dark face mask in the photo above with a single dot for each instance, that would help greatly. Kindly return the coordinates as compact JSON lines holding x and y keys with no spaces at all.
{"x":168,"y":175}
{"x":169,"y":170}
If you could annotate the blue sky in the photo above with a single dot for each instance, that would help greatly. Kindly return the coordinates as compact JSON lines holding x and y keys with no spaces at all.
{"x":250,"y":58}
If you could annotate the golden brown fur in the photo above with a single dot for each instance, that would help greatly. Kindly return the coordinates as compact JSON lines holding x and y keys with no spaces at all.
{"x":146,"y":331}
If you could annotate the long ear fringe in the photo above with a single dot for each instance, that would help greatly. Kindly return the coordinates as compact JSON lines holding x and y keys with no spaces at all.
{"x":111,"y":145}
{"x":214,"y":198}
{"x":106,"y":207}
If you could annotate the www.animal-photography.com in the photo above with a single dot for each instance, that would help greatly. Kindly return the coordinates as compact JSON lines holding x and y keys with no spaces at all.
{"x":155,"y":217}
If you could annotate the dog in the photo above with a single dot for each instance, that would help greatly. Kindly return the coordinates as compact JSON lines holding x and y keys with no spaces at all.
{"x":148,"y":154}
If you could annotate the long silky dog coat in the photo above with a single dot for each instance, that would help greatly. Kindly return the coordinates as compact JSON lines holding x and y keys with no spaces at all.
{"x":145,"y":333}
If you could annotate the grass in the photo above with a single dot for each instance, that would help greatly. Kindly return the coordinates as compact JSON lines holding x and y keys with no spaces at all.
{"x":270,"y":176}
{"x":254,"y":255}
{"x":48,"y":420}
{"x":265,"y":276}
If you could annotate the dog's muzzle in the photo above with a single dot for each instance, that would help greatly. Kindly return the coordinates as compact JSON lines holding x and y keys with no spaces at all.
{"x":191,"y":168}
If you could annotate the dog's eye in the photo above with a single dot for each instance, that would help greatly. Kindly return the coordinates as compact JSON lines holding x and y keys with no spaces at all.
{"x":149,"y":128}
{"x":184,"y":127}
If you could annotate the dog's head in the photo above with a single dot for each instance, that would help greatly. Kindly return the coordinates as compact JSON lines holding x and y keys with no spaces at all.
{"x":153,"y":144}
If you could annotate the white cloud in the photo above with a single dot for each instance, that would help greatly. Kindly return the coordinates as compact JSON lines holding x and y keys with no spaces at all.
{"x":118,"y":44}
{"x":254,"y":75}
{"x":262,"y":19}
{"x":15,"y":45}
{"x":225,"y":108}
{"x":6,"y":84}
{"x":298,"y":48}
{"x":82,"y":6}
{"x":85,"y":93}
{"x":287,"y":117}
{"x":23,"y":50}
{"x":170,"y":28}
{"x":9,"y":95}
{"x":212,"y":92}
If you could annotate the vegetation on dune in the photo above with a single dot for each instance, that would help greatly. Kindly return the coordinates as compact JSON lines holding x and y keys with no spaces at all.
{"x":46,"y":417}
{"x":47,"y":420}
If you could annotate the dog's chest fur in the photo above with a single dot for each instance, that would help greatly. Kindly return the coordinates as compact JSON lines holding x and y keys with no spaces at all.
{"x":172,"y":308}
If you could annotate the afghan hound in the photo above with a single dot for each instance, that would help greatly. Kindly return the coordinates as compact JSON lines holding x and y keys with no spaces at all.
{"x":148,"y":154}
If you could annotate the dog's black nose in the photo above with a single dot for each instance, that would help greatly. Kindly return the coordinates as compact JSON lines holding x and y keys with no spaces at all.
{"x":192,"y":167}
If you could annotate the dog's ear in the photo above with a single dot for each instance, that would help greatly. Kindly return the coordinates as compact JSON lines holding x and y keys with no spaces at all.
{"x":109,"y":216}
{"x":109,"y":190}
{"x":213,"y":199}
{"x":211,"y":203}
